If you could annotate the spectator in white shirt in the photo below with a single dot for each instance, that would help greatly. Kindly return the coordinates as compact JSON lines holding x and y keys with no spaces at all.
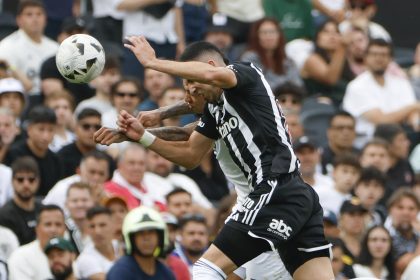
{"x":376,"y":97}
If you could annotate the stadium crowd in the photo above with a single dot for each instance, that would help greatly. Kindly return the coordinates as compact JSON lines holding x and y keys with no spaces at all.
{"x":73,"y":209}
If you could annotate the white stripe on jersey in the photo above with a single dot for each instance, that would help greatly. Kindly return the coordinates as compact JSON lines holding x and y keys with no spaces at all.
{"x":248,"y":136}
{"x":239,"y":157}
{"x":281,"y":130}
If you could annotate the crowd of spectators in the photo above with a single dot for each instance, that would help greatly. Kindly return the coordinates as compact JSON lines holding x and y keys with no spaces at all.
{"x":68,"y":207}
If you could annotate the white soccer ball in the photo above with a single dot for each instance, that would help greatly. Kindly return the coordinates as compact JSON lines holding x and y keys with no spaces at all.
{"x":80,"y":58}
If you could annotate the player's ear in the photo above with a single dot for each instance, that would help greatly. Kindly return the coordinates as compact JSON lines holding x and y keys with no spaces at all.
{"x":211,"y":62}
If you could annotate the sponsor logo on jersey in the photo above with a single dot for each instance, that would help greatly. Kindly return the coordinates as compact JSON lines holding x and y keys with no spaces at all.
{"x":280,"y":228}
{"x":227,"y":126}
{"x":200,"y":124}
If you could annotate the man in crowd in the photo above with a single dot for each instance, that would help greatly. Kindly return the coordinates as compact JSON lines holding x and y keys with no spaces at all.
{"x":19,"y":213}
{"x":29,"y":262}
{"x":61,"y":255}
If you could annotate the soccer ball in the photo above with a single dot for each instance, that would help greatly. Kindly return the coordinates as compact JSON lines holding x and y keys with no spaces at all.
{"x":80,"y":58}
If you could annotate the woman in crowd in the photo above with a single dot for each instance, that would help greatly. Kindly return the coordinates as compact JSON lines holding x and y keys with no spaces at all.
{"x":326,"y":72}
{"x":376,"y":259}
{"x":266,"y":51}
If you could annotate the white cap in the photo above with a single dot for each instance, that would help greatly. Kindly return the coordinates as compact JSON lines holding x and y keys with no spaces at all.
{"x":11,"y":85}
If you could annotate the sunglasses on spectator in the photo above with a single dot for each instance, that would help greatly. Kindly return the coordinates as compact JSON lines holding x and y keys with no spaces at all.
{"x":22,"y":179}
{"x":124,"y":94}
{"x":87,"y":126}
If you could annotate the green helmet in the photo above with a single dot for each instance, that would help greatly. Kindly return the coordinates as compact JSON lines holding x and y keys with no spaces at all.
{"x":145,"y":218}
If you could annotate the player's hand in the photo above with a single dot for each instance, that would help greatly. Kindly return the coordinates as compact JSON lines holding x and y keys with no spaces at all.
{"x":149,"y":118}
{"x":141,"y":49}
{"x":130,"y":126}
{"x":108,"y":136}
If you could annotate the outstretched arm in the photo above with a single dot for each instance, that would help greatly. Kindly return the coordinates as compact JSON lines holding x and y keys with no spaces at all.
{"x":207,"y":73}
{"x":186,"y":153}
{"x":154,"y":117}
{"x":174,"y":133}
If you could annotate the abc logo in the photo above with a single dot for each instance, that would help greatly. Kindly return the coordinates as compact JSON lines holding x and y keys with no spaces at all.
{"x":280,"y":226}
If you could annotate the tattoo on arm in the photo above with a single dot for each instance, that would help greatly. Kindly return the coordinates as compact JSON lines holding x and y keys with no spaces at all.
{"x":180,"y":108}
{"x":174,"y":133}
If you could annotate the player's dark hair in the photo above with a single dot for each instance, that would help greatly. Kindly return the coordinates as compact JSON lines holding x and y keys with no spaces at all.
{"x":47,"y":208}
{"x":197,"y":49}
{"x":42,"y":114}
{"x":370,"y":174}
{"x":380,"y":43}
{"x":176,"y":191}
{"x":23,"y":4}
{"x":25,"y":164}
{"x":388,"y":131}
{"x":290,"y":88}
{"x":97,"y":210}
{"x":340,"y":113}
{"x":88,"y":112}
{"x":366,"y":258}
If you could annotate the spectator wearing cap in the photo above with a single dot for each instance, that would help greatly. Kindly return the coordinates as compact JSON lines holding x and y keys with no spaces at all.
{"x":403,"y":208}
{"x":19,"y":213}
{"x":29,"y":261}
{"x":42,"y":123}
{"x":88,"y":121}
{"x":93,"y":170}
{"x":400,"y":172}
{"x":96,"y":259}
{"x":345,"y":175}
{"x":265,"y":50}
{"x":341,"y":134}
{"x":352,"y":227}
{"x":194,"y":239}
{"x":12,"y":96}
{"x":370,"y":188}
{"x":360,"y":15}
{"x":309,"y":157}
{"x":61,"y":256}
{"x":26,"y":48}
{"x":51,"y":79}
{"x":220,"y":34}
{"x":330,"y":224}
{"x":376,"y":97}
{"x":119,"y":209}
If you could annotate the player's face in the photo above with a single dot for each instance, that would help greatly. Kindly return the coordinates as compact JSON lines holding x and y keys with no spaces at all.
{"x":60,"y":263}
{"x":32,"y":20}
{"x":101,"y":230}
{"x":209,"y":93}
{"x":196,"y":101}
{"x":78,"y":202}
{"x":194,"y":238}
{"x":12,"y":100}
{"x":25,"y":185}
{"x":379,"y":243}
{"x":369,"y":192}
{"x":146,"y":242}
{"x":341,"y":132}
{"x":41,"y":135}
{"x":133,"y":165}
{"x":51,"y":224}
{"x":180,"y":204}
{"x":85,"y":128}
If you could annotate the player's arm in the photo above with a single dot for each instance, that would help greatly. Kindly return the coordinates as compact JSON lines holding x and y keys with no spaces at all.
{"x":154,"y":117}
{"x":201,"y":72}
{"x":174,"y":133}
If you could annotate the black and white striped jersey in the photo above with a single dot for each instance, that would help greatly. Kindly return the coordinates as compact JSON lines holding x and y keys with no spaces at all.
{"x":252,"y":126}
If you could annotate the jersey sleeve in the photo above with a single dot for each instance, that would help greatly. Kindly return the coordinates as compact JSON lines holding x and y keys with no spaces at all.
{"x":207,"y":125}
{"x":246,"y":75}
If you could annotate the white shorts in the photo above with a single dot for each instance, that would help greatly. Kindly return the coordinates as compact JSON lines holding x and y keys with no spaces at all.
{"x":267,"y":266}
